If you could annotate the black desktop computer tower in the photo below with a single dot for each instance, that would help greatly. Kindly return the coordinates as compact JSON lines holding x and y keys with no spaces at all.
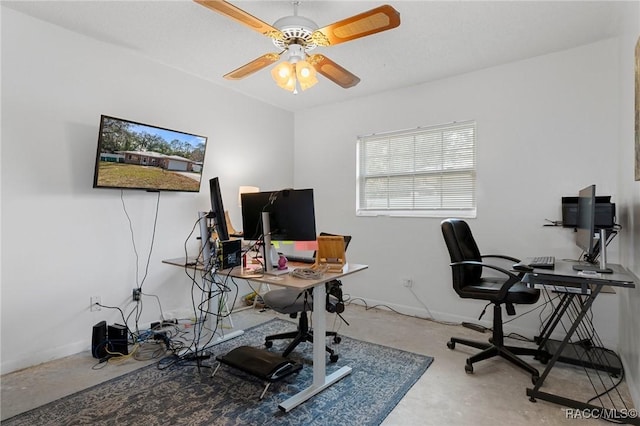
{"x":118,"y":341}
{"x":99,"y":340}
{"x":229,"y":254}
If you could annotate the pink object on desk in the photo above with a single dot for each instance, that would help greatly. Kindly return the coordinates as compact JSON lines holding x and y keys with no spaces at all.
{"x":282,"y":263}
{"x":306,"y":245}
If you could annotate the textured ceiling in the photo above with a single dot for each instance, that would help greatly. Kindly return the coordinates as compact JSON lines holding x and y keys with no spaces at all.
{"x":435,"y":39}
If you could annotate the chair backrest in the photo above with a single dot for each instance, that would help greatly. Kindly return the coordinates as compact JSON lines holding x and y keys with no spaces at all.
{"x":462,"y":247}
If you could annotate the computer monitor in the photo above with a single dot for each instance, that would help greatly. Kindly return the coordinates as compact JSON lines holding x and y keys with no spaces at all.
{"x":291,"y":215}
{"x":585,"y":233}
{"x":585,"y":223}
{"x":217,"y":210}
{"x":286,"y":215}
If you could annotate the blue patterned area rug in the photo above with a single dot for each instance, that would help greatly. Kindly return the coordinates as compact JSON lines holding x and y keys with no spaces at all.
{"x":184,"y":395}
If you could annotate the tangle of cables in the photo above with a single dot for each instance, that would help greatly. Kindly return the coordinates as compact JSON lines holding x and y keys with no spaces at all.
{"x":309,"y":273}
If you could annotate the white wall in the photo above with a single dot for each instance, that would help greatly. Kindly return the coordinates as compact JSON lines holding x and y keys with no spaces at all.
{"x":64,"y":241}
{"x":546,"y":127}
{"x":629,"y":309}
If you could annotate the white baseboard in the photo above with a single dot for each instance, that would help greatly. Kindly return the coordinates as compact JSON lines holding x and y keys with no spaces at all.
{"x":528,"y":332}
{"x":32,"y":359}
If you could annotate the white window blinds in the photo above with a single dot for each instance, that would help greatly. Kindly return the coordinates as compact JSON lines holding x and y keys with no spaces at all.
{"x":427,"y":171}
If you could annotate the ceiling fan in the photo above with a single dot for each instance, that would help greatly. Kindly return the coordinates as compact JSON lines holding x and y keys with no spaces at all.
{"x":296,"y":35}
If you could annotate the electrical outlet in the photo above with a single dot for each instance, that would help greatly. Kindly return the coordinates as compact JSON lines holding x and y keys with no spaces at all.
{"x":407,"y":282}
{"x":137,"y":292}
{"x":94,"y":300}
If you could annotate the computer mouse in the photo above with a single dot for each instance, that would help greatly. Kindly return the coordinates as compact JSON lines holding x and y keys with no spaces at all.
{"x":523,"y":267}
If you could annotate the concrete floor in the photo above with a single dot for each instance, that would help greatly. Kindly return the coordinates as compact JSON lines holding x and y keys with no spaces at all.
{"x":495,"y":394}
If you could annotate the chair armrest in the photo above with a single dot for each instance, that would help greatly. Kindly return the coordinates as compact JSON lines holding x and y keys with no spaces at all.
{"x":513,"y":278}
{"x":501,"y":256}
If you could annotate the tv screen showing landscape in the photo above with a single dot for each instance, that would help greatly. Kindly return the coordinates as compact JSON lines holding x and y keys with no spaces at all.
{"x":133,"y":155}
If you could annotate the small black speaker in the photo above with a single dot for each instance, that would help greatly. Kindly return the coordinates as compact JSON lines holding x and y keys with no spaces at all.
{"x":99,"y":340}
{"x":118,"y":342}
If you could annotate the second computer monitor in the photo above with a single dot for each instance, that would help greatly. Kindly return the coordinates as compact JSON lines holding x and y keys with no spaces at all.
{"x":217,"y":209}
{"x":585,"y":232}
{"x":585,"y":223}
{"x":291,"y":215}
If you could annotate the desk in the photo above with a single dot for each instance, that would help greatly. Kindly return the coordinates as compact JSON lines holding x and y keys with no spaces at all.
{"x":320,"y":379}
{"x":580,"y":291}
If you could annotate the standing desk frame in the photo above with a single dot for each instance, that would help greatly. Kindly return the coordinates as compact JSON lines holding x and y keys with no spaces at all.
{"x":321,"y":380}
{"x":579,"y":290}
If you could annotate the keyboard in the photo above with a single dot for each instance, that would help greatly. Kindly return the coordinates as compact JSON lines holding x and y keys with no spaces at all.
{"x":301,"y":259}
{"x":543,"y":262}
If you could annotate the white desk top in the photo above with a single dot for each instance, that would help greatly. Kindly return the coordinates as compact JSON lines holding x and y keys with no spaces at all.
{"x":288,"y":280}
{"x":284,"y":280}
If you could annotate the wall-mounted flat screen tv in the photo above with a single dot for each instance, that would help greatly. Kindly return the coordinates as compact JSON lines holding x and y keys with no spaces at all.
{"x":140,"y":156}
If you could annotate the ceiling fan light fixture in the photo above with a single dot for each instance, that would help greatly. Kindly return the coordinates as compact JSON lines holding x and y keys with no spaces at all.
{"x":291,"y":85}
{"x":289,"y":76}
{"x":306,"y":75}
{"x":284,"y":74}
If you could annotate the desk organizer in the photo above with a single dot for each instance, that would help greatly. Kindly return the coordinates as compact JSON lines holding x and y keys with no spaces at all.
{"x":330,"y":253}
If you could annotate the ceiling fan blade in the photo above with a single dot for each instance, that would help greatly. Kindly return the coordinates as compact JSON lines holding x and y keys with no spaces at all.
{"x":253,"y":66}
{"x":333,"y":71}
{"x":373,"y":21}
{"x":240,"y":16}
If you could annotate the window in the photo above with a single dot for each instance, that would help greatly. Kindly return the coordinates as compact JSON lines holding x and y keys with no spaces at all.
{"x":429,"y":171}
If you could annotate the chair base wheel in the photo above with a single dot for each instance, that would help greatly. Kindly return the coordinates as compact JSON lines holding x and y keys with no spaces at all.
{"x":543,"y":357}
{"x":451,"y":345}
{"x":333,"y":358}
{"x":468,"y":368}
{"x":268,"y":344}
{"x":337,"y":339}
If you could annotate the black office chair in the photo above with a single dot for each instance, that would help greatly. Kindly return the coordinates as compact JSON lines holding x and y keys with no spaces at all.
{"x":296,"y":303}
{"x":467,"y":267}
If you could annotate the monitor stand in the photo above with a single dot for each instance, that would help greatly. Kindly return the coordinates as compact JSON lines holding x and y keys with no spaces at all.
{"x":602,"y":268}
{"x":269,"y":254}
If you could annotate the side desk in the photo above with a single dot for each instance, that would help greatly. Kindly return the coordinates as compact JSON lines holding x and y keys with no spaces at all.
{"x":321,"y":380}
{"x":577,"y":291}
